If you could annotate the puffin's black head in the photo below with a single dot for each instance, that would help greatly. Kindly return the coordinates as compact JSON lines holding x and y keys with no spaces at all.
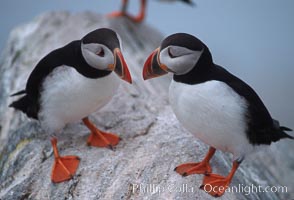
{"x":179,"y":53}
{"x":101,"y":50}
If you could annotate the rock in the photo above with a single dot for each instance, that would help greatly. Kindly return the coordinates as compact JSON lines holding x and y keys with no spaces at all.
{"x":153,"y":142}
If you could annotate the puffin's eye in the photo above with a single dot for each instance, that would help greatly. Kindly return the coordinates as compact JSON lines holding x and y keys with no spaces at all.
{"x":101,"y":53}
{"x":170,"y":53}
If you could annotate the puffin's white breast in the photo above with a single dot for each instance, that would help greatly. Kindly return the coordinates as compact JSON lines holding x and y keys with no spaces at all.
{"x":68,"y":96}
{"x":214,"y":113}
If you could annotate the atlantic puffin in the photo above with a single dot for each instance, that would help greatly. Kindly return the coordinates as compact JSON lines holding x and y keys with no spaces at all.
{"x":213,"y":104}
{"x":68,"y":85}
{"x":140,"y":17}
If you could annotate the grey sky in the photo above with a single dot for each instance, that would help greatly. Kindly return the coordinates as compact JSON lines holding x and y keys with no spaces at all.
{"x":251,"y":38}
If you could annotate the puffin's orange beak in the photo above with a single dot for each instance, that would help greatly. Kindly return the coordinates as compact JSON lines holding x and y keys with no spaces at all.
{"x":152,"y":67}
{"x":120,"y":66}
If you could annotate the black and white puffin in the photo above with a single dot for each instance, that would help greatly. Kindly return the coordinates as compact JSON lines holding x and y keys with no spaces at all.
{"x":214,"y":105}
{"x":69,"y":84}
{"x":140,"y":17}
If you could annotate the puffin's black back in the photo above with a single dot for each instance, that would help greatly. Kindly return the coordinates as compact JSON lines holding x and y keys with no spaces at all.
{"x":69,"y":55}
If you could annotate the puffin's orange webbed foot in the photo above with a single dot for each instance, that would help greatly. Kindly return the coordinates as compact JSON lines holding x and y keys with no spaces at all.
{"x":202,"y":167}
{"x":65,"y":167}
{"x":135,"y":19}
{"x":99,"y":138}
{"x":187,"y":169}
{"x":103,"y":139}
{"x":215,"y":184}
{"x":116,"y":14}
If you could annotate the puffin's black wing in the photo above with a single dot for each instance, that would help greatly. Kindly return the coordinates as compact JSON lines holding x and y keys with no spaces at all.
{"x":262,"y":129}
{"x":29,"y":103}
{"x":56,"y":58}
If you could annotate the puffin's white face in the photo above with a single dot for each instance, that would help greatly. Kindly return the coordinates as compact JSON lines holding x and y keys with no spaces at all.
{"x":179,"y":60}
{"x":97,"y":55}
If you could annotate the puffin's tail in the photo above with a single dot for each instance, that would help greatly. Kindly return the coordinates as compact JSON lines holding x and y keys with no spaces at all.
{"x":18,"y":93}
{"x":24,"y":104}
{"x":284,"y":134}
{"x":20,"y":104}
{"x":281,"y":130}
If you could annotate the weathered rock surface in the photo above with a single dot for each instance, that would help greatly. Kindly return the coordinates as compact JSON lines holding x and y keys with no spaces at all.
{"x":153,"y":142}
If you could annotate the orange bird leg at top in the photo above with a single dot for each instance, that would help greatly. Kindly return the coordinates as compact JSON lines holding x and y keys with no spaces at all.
{"x":99,"y":138}
{"x":202,"y":167}
{"x":65,"y":167}
{"x":121,"y":13}
{"x":137,"y":19}
{"x":215,"y":184}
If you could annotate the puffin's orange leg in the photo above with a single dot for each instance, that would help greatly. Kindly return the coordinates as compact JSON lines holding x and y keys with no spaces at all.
{"x":99,"y":138}
{"x":216,"y":185}
{"x":139,"y":18}
{"x":64,"y":167}
{"x":202,"y":167}
{"x":122,"y":12}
